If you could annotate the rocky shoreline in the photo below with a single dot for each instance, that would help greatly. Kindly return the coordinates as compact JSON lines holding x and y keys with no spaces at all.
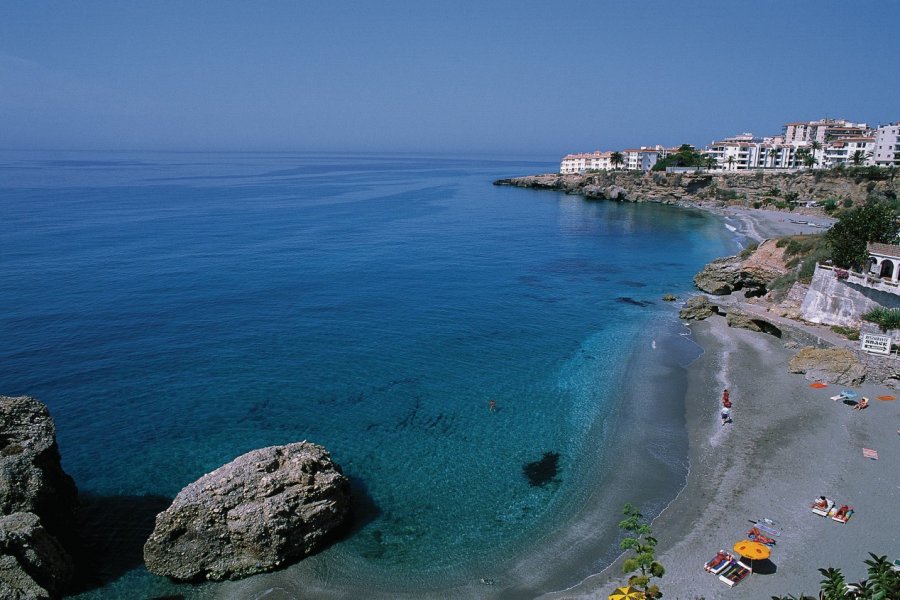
{"x":262,"y":511}
{"x":717,"y":189}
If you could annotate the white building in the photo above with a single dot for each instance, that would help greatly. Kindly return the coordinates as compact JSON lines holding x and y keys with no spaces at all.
{"x":643,"y":158}
{"x":589,"y":161}
{"x":886,"y":149}
{"x":848,"y":151}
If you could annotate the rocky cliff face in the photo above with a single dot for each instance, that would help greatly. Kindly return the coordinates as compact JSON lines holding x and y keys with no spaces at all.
{"x":717,"y":188}
{"x":37,"y":501}
{"x":264,"y":509}
{"x":752,"y":274}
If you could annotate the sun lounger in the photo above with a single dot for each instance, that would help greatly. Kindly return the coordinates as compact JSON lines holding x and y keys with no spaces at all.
{"x":734,"y":573}
{"x":717,"y":566}
{"x":760,"y":537}
{"x":873,"y":454}
{"x":768,"y":527}
{"x":844,"y":518}
{"x":823,"y":512}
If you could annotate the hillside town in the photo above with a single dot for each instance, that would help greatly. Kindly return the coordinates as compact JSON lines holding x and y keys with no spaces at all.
{"x":821,"y":144}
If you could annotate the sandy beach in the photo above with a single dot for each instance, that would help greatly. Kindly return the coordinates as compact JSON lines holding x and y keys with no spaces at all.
{"x":789,"y":443}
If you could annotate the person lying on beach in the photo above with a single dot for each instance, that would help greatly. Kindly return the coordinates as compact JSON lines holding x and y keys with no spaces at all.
{"x":842,"y":511}
{"x":821,"y":503}
{"x":716,"y":562}
{"x":756,"y":535}
{"x":864,"y":403}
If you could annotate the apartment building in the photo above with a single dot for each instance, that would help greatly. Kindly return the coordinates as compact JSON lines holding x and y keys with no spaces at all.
{"x":886,"y":146}
{"x":588,"y":161}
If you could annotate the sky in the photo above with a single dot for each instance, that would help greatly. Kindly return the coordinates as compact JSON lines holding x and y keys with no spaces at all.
{"x":487,"y":77}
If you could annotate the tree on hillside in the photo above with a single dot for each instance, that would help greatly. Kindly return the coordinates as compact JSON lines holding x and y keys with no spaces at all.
{"x":643,"y":563}
{"x":773,"y":153}
{"x":616,"y":159}
{"x":685,"y":156}
{"x":857,"y":158}
{"x":815,"y":146}
{"x":804,"y":156}
{"x":873,"y":222}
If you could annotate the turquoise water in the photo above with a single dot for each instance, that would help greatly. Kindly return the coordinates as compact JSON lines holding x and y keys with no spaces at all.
{"x":177,"y":310}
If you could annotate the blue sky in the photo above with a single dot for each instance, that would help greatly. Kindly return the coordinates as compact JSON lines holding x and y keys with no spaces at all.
{"x":539,"y":78}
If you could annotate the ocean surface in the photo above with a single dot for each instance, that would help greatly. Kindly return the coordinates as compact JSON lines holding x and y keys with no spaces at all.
{"x":177,"y":310}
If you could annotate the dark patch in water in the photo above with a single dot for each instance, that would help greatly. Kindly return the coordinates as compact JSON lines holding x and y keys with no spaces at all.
{"x":541,"y":472}
{"x":632,"y":301}
{"x":634,"y":284}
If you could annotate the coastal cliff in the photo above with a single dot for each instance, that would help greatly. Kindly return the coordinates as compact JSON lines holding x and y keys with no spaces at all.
{"x":37,"y":503}
{"x":700,"y":188}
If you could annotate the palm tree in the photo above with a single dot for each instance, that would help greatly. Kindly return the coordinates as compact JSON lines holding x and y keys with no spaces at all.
{"x":616,"y":159}
{"x":815,"y":145}
{"x":803,"y":155}
{"x":857,"y":158}
{"x":730,"y":160}
{"x":833,"y":586}
{"x":774,"y":152}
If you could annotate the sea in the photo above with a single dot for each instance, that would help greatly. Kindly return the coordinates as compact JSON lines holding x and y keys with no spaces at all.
{"x":175,"y":310}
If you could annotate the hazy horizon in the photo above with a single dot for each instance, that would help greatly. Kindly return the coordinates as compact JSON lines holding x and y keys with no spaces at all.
{"x":507,"y":78}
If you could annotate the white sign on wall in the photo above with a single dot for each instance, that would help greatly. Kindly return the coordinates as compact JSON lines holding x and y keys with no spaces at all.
{"x":875,"y":344}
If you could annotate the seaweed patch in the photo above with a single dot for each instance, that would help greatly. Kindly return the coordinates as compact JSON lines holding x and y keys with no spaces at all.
{"x":541,"y":472}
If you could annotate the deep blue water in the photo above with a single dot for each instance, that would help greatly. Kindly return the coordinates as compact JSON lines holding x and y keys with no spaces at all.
{"x":177,"y":310}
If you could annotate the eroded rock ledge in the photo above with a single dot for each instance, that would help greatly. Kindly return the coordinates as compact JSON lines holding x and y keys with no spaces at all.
{"x":262,"y":510}
{"x":37,"y":504}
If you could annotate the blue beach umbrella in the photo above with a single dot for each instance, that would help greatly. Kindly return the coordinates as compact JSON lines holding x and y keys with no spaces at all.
{"x":849,"y":394}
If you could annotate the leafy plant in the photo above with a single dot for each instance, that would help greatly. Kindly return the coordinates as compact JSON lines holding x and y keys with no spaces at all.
{"x":873,"y":222}
{"x":886,"y":318}
{"x":848,"y":332}
{"x":640,"y":541}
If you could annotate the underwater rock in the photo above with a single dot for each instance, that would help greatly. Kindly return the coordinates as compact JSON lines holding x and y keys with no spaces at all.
{"x":543,"y":471}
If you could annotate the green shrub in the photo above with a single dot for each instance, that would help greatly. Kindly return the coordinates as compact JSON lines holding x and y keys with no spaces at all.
{"x":757,"y":204}
{"x":886,"y":318}
{"x":847,"y":203}
{"x":746,"y":252}
{"x":848,"y":332}
{"x":830,"y":205}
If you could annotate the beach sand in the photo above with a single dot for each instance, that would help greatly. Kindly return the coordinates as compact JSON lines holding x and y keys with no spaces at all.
{"x":788,"y":444}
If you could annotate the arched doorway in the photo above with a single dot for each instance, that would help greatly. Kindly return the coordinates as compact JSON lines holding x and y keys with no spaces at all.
{"x":887,"y":269}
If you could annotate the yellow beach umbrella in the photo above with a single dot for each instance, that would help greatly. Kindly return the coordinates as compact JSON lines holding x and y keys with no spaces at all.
{"x":752,"y":550}
{"x":627,"y":593}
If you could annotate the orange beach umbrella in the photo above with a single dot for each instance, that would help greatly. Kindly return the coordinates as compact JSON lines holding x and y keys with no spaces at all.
{"x":627,"y":593}
{"x":752,"y":550}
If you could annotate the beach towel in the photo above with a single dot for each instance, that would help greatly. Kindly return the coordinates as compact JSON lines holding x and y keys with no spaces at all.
{"x":887,"y":398}
{"x":869,"y":453}
{"x":734,"y":574}
{"x":818,"y":385}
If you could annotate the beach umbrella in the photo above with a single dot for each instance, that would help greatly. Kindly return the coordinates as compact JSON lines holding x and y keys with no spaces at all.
{"x":627,"y":593}
{"x":752,"y":550}
{"x":849,"y":394}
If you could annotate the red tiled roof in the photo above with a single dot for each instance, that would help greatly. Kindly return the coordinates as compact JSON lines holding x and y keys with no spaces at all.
{"x":892,"y":250}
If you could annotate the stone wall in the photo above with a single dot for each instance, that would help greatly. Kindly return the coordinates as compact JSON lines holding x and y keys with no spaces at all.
{"x":832,"y":301}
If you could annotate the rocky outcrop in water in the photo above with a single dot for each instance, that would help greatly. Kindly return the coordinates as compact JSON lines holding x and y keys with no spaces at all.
{"x":261,"y":511}
{"x":833,"y":365}
{"x":37,"y":503}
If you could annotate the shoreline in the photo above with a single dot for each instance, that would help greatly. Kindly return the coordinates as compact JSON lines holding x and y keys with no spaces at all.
{"x":789,"y":444}
{"x":593,"y":527}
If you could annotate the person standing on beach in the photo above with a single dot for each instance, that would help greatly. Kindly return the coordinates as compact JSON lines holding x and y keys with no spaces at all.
{"x":726,"y":407}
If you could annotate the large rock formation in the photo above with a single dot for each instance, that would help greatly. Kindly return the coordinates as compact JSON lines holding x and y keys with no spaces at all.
{"x":834,"y":365}
{"x":37,"y":501}
{"x":745,"y":320}
{"x":753,"y":274}
{"x":698,"y":308}
{"x":262,"y":510}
